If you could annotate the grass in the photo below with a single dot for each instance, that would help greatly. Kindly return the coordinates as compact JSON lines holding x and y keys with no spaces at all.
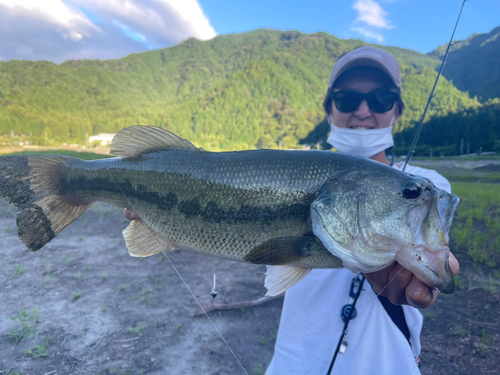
{"x":138,"y":328}
{"x":40,"y":351}
{"x":75,"y":154}
{"x":26,"y":323}
{"x":476,"y":228}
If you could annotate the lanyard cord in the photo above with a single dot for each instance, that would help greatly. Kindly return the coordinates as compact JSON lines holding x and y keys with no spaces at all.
{"x":361,"y":279}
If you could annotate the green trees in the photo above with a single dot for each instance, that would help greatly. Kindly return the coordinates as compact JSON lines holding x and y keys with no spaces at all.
{"x":232,"y":92}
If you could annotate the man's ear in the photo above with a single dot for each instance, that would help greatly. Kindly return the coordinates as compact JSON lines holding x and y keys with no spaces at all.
{"x":396,"y":118}
{"x":329,"y":118}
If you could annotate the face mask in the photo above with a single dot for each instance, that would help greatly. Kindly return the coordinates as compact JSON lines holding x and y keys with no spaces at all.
{"x":364,"y":143}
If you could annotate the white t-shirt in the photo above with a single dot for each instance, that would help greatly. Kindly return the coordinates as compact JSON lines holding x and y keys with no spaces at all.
{"x":311,"y":324}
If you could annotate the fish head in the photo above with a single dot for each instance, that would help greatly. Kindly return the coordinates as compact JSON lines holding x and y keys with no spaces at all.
{"x":371,"y":220}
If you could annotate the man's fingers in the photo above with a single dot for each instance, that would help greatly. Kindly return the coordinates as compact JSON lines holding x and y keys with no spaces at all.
{"x":454,"y":265}
{"x":419,"y":294}
{"x":130,"y":214}
{"x":397,"y":282}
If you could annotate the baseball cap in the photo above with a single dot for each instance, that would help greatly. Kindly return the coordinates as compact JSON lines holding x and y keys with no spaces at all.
{"x":368,"y":56}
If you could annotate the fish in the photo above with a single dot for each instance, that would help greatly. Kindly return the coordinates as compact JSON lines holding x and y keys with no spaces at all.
{"x":291,"y":210}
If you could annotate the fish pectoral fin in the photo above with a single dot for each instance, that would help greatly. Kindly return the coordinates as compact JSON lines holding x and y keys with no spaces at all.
{"x":280,"y":278}
{"x":283,"y":250}
{"x":136,"y":140}
{"x":143,"y":241}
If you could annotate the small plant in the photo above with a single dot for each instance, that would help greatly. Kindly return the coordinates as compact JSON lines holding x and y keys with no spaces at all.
{"x":77,"y":295}
{"x":27,"y":321}
{"x":493,"y":285}
{"x":258,"y":369}
{"x":178,"y":326}
{"x":66,"y":260}
{"x":79,"y":276}
{"x":20,"y":270}
{"x":122,"y":287}
{"x":104,"y":309}
{"x":460,"y":331}
{"x":137,"y":329}
{"x":485,"y":338}
{"x":262,"y":340}
{"x":459,"y":282}
{"x":40,"y":351}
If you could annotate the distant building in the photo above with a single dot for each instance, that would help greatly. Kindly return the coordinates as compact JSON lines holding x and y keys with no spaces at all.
{"x":104,"y":138}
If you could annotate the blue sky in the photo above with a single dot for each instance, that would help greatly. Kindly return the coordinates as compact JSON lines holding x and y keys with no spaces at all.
{"x":421,"y":25}
{"x":60,"y":30}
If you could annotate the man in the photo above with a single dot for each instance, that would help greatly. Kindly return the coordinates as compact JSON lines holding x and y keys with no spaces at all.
{"x":362,"y":105}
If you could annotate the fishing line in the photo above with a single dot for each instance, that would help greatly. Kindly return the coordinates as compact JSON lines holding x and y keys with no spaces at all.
{"x":420,"y":125}
{"x":390,"y":23}
{"x":182,"y":279}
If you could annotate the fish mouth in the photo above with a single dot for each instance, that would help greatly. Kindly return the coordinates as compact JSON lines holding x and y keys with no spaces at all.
{"x":428,"y":257}
{"x":431,"y":266}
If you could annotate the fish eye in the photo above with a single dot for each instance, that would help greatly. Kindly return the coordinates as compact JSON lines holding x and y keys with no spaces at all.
{"x":411,"y":191}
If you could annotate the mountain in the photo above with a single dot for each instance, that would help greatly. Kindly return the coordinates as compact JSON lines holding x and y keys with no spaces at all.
{"x":235,"y":91}
{"x":473,"y":64}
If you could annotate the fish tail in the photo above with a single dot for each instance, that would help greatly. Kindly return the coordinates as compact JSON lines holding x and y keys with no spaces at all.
{"x":31,"y":184}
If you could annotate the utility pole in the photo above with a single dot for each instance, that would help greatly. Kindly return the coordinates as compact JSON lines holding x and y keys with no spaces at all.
{"x":462,"y":147}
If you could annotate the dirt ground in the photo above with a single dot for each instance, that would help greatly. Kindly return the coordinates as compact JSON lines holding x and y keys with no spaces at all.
{"x":82,"y":305}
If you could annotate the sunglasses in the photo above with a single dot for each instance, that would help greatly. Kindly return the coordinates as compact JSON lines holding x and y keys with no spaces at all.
{"x":379,"y":101}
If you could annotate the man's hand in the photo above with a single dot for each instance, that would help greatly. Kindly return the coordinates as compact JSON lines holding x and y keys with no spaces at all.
{"x":403,"y":288}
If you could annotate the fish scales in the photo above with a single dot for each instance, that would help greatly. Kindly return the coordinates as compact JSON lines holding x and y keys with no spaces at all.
{"x":223,"y":204}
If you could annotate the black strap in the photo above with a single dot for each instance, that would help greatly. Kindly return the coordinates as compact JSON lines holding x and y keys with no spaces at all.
{"x":397,"y":315}
{"x":357,"y":282}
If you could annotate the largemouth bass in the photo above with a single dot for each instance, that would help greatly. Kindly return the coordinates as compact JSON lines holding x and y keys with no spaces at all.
{"x":295,"y":210}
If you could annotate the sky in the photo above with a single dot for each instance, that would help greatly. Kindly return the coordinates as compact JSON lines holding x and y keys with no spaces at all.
{"x":60,"y":30}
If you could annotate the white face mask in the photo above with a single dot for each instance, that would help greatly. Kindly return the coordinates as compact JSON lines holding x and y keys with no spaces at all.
{"x":364,"y":143}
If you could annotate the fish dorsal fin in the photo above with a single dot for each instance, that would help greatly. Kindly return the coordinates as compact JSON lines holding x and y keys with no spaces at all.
{"x":281,"y":278}
{"x":143,"y":241}
{"x":136,"y":140}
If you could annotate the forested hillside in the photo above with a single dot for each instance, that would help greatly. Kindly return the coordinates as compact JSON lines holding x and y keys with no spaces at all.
{"x":474,"y":64}
{"x":473,"y":130}
{"x":233,"y":92}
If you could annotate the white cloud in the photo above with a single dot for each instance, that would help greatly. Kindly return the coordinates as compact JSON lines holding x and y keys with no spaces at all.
{"x":59,"y":30}
{"x":371,"y":20}
{"x":367,"y":34}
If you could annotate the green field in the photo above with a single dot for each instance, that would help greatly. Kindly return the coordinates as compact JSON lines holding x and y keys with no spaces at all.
{"x":76,"y":154}
{"x":476,"y":227}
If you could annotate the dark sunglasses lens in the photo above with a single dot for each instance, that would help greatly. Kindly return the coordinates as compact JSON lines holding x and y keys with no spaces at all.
{"x":346,"y":101}
{"x":381,"y":101}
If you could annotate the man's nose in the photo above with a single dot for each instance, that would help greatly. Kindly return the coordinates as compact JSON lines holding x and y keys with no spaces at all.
{"x":363,"y":111}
